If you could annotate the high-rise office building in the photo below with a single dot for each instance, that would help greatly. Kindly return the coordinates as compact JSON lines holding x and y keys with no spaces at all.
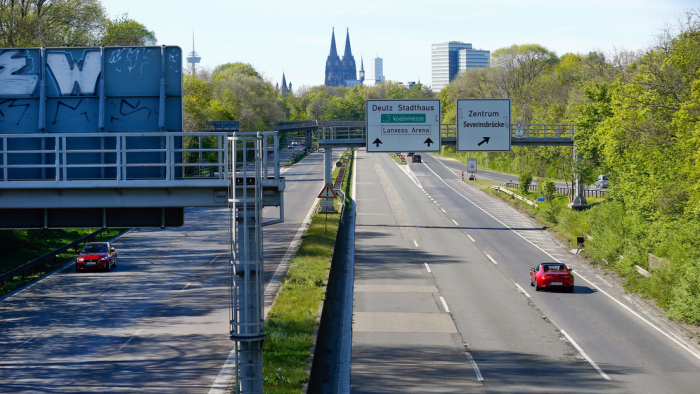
{"x":449,"y":58}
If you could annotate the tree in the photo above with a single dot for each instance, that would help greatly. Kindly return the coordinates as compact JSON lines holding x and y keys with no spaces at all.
{"x":518,"y":65}
{"x":123,"y":31}
{"x":51,"y":23}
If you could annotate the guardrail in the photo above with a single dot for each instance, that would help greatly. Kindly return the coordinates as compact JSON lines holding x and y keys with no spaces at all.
{"x":30,"y":266}
{"x":521,"y":198}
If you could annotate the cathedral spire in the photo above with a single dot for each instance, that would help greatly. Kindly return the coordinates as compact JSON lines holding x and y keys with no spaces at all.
{"x":348,"y":51}
{"x":334,"y":52}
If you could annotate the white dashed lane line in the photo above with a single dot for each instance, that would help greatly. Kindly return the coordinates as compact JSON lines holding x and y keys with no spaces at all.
{"x":444,"y":304}
{"x":491,"y":258}
{"x":427,"y":266}
{"x":470,"y":237}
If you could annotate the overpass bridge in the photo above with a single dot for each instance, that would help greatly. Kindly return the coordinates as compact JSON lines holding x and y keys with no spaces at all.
{"x":353,"y":134}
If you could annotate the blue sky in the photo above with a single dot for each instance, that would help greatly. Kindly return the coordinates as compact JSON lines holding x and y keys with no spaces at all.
{"x":294,"y":35}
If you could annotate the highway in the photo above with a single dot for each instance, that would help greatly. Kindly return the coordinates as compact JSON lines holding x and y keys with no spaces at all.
{"x":443,"y":303}
{"x":158,"y":323}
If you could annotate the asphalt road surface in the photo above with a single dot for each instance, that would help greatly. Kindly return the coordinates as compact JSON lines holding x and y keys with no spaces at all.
{"x":443,"y":303}
{"x":158,"y":323}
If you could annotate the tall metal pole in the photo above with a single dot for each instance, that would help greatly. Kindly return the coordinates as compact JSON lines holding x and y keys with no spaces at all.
{"x":328,"y":166}
{"x":246,"y":203}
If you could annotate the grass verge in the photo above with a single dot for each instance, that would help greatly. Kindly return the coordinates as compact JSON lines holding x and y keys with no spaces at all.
{"x":18,"y":247}
{"x":292,"y":320}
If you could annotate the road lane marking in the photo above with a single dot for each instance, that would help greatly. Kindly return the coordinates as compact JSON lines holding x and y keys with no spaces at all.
{"x":650,"y":324}
{"x":491,"y":258}
{"x":129,"y":340}
{"x":453,"y":221}
{"x":415,"y":243}
{"x":476,"y":367}
{"x":470,"y":237}
{"x":427,"y":267}
{"x":212,"y":260}
{"x":444,"y":304}
{"x":597,"y":368}
{"x":522,"y":290}
{"x":443,"y":210}
{"x":183,"y":288}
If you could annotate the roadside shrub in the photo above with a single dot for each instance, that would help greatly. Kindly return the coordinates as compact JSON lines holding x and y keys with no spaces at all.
{"x":525,"y":180}
{"x":547,"y":190}
{"x":551,"y":210}
{"x":685,"y":305}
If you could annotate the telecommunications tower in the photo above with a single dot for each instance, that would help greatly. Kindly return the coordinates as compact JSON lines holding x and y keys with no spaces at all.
{"x":193,"y":58}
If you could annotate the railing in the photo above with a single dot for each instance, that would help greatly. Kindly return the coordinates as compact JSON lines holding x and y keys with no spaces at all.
{"x":342,"y":133}
{"x":562,"y":190}
{"x":66,"y":157}
{"x":355,"y":131}
{"x":528,"y":131}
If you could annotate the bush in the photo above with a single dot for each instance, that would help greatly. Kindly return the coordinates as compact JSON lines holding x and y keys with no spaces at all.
{"x":547,"y":190}
{"x":525,"y":180}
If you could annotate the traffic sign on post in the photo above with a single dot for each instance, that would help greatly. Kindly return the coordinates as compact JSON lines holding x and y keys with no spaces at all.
{"x":403,"y":125}
{"x":471,"y":166}
{"x":483,"y":125}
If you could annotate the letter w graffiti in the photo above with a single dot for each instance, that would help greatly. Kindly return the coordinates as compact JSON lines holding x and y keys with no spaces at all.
{"x":68,"y":75}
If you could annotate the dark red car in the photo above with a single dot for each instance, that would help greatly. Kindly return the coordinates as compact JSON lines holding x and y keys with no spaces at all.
{"x":96,"y":256}
{"x":551,"y":276}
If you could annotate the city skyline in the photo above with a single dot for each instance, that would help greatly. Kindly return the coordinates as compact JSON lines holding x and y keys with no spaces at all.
{"x":231,"y":31}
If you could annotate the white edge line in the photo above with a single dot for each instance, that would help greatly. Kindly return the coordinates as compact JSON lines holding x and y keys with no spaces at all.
{"x":222,"y":381}
{"x":444,"y":304}
{"x":491,"y":258}
{"x":427,"y":267}
{"x":522,"y":290}
{"x":476,"y":367}
{"x":455,"y":222}
{"x":664,"y":333}
{"x":597,"y":368}
{"x":470,"y":237}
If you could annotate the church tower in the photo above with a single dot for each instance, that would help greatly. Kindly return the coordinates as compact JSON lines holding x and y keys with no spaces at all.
{"x":349,"y":73}
{"x":334,"y":68}
{"x":285,"y":90}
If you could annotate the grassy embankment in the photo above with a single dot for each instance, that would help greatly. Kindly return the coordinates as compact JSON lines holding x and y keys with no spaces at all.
{"x":18,"y":247}
{"x":291,"y":322}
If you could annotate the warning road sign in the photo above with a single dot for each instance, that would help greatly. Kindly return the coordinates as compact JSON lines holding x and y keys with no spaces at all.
{"x":327,"y":192}
{"x":471,"y":166}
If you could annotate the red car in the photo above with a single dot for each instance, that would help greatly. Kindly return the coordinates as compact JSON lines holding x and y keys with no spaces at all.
{"x":552,"y":275}
{"x":96,"y":256}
